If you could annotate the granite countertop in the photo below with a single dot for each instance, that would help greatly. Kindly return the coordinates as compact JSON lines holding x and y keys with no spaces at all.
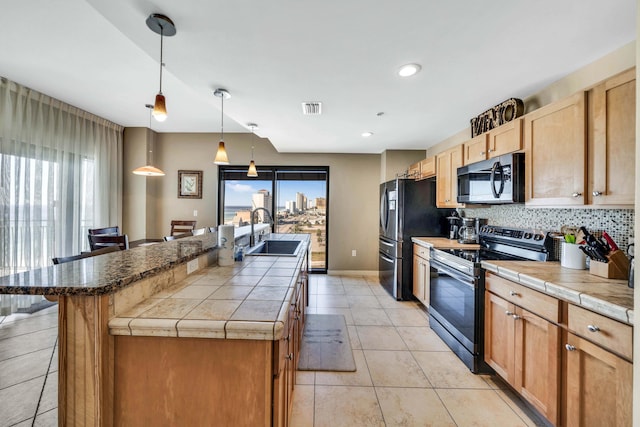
{"x":108,"y":273}
{"x":443,"y":243}
{"x":249,"y":300}
{"x":609,"y":297}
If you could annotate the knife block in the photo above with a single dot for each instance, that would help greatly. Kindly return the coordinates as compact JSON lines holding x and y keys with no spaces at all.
{"x":616,"y":268}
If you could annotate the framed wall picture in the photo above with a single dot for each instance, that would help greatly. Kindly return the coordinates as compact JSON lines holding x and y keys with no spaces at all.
{"x":189,"y":184}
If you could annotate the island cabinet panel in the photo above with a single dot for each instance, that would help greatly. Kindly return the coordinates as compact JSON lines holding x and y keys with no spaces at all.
{"x":165,"y":381}
{"x":612,"y":146}
{"x":555,"y":153}
{"x":85,"y":361}
{"x":598,"y":386}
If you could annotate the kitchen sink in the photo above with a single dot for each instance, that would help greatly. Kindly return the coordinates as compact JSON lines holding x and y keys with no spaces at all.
{"x":275,"y":248}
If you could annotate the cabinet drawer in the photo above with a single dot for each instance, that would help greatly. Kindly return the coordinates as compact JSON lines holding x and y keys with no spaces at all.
{"x":536,"y":302}
{"x":610,"y":334}
{"x":421,"y":251}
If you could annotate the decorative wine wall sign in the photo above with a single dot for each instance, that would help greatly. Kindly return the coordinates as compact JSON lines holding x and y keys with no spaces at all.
{"x":502,"y":113}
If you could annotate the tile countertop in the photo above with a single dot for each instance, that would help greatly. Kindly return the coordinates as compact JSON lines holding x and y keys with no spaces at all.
{"x":609,"y":297}
{"x":249,"y":300}
{"x":110,"y":272}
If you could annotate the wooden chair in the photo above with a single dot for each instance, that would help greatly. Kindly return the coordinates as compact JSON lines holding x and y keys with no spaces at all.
{"x":100,"y":241}
{"x":179,"y":227}
{"x":178,"y":236}
{"x":110,"y":231}
{"x":105,"y":250}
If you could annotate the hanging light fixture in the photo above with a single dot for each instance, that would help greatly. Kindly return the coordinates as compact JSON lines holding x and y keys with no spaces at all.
{"x":164,"y":26}
{"x":149,"y":169}
{"x":221,"y":155}
{"x":252,"y":172}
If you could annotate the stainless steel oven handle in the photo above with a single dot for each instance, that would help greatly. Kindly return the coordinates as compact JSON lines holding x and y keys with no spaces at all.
{"x":386,"y":258}
{"x":461,"y":277}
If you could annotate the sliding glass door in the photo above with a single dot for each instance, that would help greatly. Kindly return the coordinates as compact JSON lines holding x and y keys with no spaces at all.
{"x":297,"y":198}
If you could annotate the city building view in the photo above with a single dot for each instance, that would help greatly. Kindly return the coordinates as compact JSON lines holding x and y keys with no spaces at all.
{"x":301,"y":207}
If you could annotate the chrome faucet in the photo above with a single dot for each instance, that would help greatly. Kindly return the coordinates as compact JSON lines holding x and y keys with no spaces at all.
{"x":252,"y":239}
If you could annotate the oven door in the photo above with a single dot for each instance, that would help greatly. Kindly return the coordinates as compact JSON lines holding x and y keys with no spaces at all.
{"x":455,"y":302}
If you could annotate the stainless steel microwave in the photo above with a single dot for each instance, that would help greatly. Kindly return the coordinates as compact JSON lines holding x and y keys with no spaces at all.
{"x":492,"y":181}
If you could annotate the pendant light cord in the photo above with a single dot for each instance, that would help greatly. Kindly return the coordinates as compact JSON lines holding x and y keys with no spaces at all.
{"x":161,"y":63}
{"x":222,"y":119}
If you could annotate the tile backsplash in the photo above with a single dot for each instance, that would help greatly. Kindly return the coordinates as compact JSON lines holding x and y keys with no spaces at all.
{"x":617,"y":222}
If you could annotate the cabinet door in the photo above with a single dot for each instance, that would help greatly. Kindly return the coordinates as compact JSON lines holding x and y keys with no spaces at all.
{"x":505,"y":139}
{"x":418,"y":278}
{"x":614,"y":141}
{"x":537,"y":362}
{"x":499,"y":335}
{"x":475,"y":149}
{"x":448,"y":163}
{"x":598,"y":386}
{"x":428,"y":167}
{"x":414,"y":171}
{"x":555,"y":148}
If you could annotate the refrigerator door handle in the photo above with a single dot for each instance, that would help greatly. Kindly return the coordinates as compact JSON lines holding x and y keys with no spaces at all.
{"x":387,"y":259}
{"x":384,"y":211}
{"x":386,"y":243}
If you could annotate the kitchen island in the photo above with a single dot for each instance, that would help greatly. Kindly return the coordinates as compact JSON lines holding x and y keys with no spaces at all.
{"x":150,"y":335}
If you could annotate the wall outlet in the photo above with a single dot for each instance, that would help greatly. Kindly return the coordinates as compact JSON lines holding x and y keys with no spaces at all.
{"x":353,"y":252}
{"x":192,"y":266}
{"x":195,"y":212}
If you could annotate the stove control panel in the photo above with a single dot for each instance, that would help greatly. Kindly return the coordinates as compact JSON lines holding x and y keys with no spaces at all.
{"x":513,"y":234}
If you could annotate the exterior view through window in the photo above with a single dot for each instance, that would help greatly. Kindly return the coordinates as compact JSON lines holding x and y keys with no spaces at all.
{"x":297,"y":195}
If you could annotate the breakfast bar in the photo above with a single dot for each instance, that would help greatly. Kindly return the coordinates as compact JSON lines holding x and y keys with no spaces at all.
{"x":141,"y":329}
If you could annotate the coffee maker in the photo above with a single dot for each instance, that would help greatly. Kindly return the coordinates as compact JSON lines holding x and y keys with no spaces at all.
{"x":454,"y":225}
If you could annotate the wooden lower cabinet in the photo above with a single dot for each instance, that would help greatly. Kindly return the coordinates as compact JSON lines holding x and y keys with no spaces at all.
{"x":598,"y":386}
{"x":421,"y":274}
{"x":523,"y":349}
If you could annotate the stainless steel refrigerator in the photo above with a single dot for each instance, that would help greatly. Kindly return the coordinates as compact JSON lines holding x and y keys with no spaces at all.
{"x":407,"y":209}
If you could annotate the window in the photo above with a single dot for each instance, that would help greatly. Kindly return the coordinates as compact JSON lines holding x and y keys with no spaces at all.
{"x":297,"y":195}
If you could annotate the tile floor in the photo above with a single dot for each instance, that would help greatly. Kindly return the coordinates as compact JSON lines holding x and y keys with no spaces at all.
{"x":406,"y":376}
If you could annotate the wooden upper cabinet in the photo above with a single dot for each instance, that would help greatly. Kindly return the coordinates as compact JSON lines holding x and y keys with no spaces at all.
{"x":414,"y":171}
{"x":447,"y":164}
{"x":613,"y":140}
{"x":428,"y":167}
{"x":555,"y":153}
{"x":505,"y":139}
{"x":475,"y":149}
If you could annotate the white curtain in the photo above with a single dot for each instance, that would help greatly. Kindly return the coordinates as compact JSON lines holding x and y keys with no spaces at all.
{"x":60,"y":174}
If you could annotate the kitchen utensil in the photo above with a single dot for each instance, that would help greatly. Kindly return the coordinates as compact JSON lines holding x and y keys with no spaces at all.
{"x":610,"y":241}
{"x":593,"y":242}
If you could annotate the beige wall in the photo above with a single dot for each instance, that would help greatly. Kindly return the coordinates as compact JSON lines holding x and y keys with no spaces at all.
{"x":353,"y":190}
{"x":584,"y":78}
{"x":396,"y":162}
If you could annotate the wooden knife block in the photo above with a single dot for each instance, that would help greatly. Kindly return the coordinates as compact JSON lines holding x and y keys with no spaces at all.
{"x":616,"y":268}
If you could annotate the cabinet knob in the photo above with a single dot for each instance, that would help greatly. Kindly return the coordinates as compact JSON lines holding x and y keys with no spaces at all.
{"x":289,"y":356}
{"x":483,"y":153}
{"x":514,"y":293}
{"x":509,"y":313}
{"x":516,"y":317}
{"x":576,"y":194}
{"x":593,"y":328}
{"x":569,"y":347}
{"x":447,"y":200}
{"x":597,"y":193}
{"x":491,"y":150}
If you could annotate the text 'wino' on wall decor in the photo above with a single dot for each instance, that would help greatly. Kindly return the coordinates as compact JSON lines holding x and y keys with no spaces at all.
{"x":502,"y":113}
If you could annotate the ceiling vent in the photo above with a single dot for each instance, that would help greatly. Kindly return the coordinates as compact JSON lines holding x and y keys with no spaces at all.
{"x":312,"y":108}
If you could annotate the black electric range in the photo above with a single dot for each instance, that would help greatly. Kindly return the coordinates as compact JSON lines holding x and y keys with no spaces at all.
{"x":456,"y":303}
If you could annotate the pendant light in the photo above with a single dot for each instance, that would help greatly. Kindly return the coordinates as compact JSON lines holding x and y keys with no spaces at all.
{"x":221,"y":155}
{"x":149,"y":169}
{"x":164,"y":26}
{"x":252,"y":172}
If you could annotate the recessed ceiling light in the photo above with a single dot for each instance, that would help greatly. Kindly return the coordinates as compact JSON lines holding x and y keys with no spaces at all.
{"x":367,"y":134}
{"x":409,"y":70}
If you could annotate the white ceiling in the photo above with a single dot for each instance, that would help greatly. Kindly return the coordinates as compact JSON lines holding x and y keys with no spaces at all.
{"x":273,"y":55}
